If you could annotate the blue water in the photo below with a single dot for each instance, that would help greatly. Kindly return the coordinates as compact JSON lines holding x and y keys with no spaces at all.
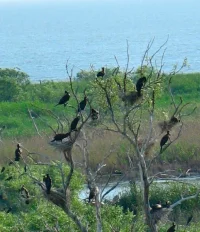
{"x":39,"y":38}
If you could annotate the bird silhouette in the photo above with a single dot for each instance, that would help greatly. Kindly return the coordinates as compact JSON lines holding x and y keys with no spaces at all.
{"x":74,"y":123}
{"x":172,"y":228}
{"x":60,"y":137}
{"x":3,"y":169}
{"x":93,"y":192}
{"x":64,"y":99}
{"x":48,"y":182}
{"x":101,"y":73}
{"x":25,"y":168}
{"x":82,"y":104}
{"x":18,"y":152}
{"x":140,"y":84}
{"x":94,"y":114}
{"x":164,"y":140}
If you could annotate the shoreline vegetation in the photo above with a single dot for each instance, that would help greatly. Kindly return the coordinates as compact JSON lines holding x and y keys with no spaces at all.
{"x":28,"y":116}
{"x":26,"y":99}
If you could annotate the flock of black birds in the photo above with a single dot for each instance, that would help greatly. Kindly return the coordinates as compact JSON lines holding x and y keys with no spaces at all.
{"x":24,"y":193}
{"x":73,"y":127}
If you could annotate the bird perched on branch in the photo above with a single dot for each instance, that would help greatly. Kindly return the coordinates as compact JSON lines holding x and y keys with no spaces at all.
{"x":140,"y":84}
{"x":74,"y":123}
{"x":47,"y":180}
{"x":164,"y":140}
{"x":64,"y":99}
{"x":18,"y":152}
{"x":24,"y":194}
{"x":172,"y":228}
{"x":101,"y":73}
{"x":94,"y":114}
{"x":82,"y":104}
{"x":3,"y":169}
{"x":60,"y":137}
{"x":93,"y":193}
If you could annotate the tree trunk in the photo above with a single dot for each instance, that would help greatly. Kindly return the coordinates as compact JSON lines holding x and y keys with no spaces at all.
{"x":145,"y":192}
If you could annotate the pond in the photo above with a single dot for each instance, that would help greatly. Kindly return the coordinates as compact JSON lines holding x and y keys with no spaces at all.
{"x":124,"y":186}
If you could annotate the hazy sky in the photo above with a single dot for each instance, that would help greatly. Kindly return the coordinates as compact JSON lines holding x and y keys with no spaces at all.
{"x":41,"y":1}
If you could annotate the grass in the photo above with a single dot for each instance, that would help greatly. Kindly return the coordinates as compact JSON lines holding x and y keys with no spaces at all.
{"x":183,"y":154}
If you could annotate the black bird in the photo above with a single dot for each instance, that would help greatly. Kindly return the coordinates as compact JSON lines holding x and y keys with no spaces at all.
{"x":140,"y":83}
{"x":94,"y":114}
{"x":164,"y":140}
{"x":18,"y":152}
{"x":74,"y":123}
{"x":82,"y":104}
{"x":47,"y":180}
{"x":93,"y":192}
{"x":172,"y":228}
{"x":64,"y":99}
{"x":3,"y":169}
{"x":101,"y":73}
{"x":25,"y":168}
{"x":24,"y":194}
{"x":9,"y":178}
{"x":60,"y":137}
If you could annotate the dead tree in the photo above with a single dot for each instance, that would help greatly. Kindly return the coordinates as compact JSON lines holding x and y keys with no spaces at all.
{"x":132,"y":124}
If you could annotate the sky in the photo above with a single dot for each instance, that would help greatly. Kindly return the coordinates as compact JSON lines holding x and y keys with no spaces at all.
{"x":39,"y":1}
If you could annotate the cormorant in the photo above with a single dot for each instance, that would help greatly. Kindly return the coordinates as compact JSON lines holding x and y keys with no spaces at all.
{"x":101,"y":73}
{"x":18,"y":152}
{"x":140,"y":83}
{"x":3,"y":169}
{"x":74,"y":123}
{"x":172,"y":228}
{"x":94,"y":114}
{"x":47,"y":180}
{"x":93,"y":192}
{"x":64,"y":99}
{"x":25,"y":194}
{"x":164,"y":140}
{"x":60,"y":137}
{"x":82,"y":104}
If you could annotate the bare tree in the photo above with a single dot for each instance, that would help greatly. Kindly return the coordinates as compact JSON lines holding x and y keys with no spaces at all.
{"x":136,"y":121}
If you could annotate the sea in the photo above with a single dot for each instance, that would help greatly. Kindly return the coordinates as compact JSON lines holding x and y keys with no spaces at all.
{"x":40,"y":37}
